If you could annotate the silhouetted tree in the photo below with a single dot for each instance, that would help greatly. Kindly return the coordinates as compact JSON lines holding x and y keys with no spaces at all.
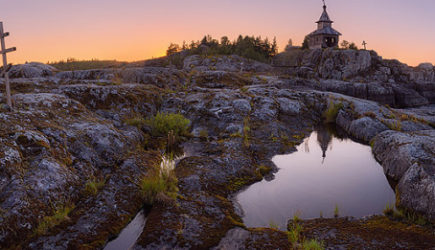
{"x":353,"y":46}
{"x":344,"y":44}
{"x":249,"y":46}
{"x":305,"y":44}
{"x":184,"y":47}
{"x":274,"y":48}
{"x":172,"y":49}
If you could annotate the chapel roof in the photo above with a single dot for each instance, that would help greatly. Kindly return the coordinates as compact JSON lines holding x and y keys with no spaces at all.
{"x":325,"y":31}
{"x":324,"y":18}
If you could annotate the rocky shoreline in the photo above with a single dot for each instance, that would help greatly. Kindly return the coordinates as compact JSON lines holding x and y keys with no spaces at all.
{"x":70,"y":129}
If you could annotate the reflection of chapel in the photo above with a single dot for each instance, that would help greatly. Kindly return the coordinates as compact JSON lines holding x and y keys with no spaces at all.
{"x":324,"y":138}
{"x":325,"y":36}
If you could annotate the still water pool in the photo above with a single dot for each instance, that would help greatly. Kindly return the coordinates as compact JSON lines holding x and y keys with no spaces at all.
{"x":325,"y":172}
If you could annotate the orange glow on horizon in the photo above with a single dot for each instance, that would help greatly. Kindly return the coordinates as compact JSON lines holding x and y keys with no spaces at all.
{"x":51,"y":30}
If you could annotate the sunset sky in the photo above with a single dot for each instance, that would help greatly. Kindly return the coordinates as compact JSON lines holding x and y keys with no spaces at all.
{"x":129,"y":30}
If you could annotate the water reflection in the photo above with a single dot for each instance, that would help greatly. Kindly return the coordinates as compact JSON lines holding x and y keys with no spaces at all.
{"x":324,"y":138}
{"x":327,"y":170}
{"x":128,"y":236}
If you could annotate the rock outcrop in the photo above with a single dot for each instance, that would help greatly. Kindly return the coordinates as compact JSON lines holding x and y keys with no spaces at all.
{"x":409,"y":160}
{"x":75,"y":145}
{"x":231,"y":63}
{"x":32,"y":70}
{"x":356,"y":67}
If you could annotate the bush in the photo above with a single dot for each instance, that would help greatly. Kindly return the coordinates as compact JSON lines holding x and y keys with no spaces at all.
{"x":305,"y":44}
{"x":294,"y":233}
{"x":331,"y":112}
{"x":163,"y":123}
{"x":264,"y":170}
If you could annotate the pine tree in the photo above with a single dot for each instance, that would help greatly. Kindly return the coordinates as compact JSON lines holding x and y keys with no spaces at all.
{"x":305,"y":44}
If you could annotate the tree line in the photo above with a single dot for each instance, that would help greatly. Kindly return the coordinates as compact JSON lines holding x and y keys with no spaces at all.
{"x":250,"y":47}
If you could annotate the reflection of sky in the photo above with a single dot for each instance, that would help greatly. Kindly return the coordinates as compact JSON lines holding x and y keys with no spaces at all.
{"x":129,"y":234}
{"x":349,"y":177}
{"x":45,"y":30}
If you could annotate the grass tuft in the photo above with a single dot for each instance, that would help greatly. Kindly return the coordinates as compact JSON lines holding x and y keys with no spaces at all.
{"x":136,"y":122}
{"x":273,"y":225}
{"x":163,"y":184}
{"x":389,"y":210}
{"x":336,"y":211}
{"x":48,"y":222}
{"x":312,"y":245}
{"x":246,"y":131}
{"x":92,"y":187}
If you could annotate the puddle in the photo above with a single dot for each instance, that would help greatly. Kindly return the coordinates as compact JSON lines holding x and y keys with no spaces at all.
{"x":129,"y":235}
{"x":325,"y":172}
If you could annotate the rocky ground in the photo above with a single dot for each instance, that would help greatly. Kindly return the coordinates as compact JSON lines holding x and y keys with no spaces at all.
{"x":70,"y":131}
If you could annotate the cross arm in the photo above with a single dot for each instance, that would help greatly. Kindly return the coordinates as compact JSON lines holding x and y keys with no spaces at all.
{"x":5,"y":34}
{"x":8,"y":50}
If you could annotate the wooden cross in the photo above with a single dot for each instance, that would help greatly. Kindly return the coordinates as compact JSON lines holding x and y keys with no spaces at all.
{"x":4,"y":51}
{"x":364,"y":44}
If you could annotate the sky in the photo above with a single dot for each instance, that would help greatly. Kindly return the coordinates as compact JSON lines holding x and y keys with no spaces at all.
{"x":131,"y":30}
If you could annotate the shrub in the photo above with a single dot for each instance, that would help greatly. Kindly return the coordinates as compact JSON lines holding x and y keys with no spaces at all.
{"x":293,"y":234}
{"x":264,"y":170}
{"x":48,"y":222}
{"x":305,"y":44}
{"x":331,"y":112}
{"x":296,"y":218}
{"x":162,"y":123}
{"x":353,"y":46}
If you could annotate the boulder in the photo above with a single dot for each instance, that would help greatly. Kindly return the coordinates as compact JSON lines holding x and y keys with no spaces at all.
{"x":409,"y":159}
{"x":32,"y":70}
